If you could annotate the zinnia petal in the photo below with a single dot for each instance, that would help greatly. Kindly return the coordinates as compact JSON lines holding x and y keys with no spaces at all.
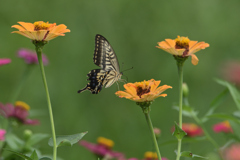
{"x":155,"y":85}
{"x":194,"y":59}
{"x":27,"y":26}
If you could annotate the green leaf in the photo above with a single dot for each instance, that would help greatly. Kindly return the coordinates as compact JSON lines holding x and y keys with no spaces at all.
{"x":45,"y":158}
{"x":36,"y":138}
{"x":13,"y":141}
{"x":236,"y":128}
{"x":225,"y":116}
{"x":233,"y":91}
{"x":215,"y":104}
{"x":179,"y":133}
{"x":34,"y":155}
{"x":186,"y":110}
{"x":20,"y":155}
{"x":67,"y":140}
{"x":236,"y":114}
{"x":189,"y":154}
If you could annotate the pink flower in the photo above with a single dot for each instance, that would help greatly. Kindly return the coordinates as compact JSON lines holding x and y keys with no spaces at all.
{"x":4,"y":61}
{"x":157,"y":132}
{"x":231,"y":72}
{"x":191,"y":129}
{"x":232,"y":153}
{"x":102,"y":148}
{"x":30,"y":56}
{"x":223,"y":127}
{"x":2,"y":134}
{"x":19,"y":112}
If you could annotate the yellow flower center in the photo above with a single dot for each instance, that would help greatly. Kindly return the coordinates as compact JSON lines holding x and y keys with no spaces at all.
{"x":192,"y":127}
{"x":106,"y":142}
{"x":227,"y":124}
{"x":40,"y":25}
{"x":22,"y":105}
{"x":182,"y":43}
{"x":142,"y":88}
{"x":150,"y":155}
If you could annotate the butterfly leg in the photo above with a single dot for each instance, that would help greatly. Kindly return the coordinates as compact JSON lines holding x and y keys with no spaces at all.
{"x":117,"y":86}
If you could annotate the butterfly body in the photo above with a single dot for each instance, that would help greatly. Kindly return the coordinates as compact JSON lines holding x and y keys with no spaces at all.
{"x":104,"y":57}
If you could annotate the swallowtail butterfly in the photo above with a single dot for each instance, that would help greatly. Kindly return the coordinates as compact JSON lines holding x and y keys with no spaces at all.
{"x":104,"y":57}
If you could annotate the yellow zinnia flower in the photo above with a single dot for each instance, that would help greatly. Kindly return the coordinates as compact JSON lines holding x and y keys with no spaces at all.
{"x":40,"y":31}
{"x":183,"y":47}
{"x":150,"y":155}
{"x":145,"y":91}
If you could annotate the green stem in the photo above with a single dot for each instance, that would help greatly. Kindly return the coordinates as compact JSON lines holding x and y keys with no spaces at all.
{"x":146,"y":111}
{"x":205,"y":131}
{"x":22,"y":81}
{"x":180,"y":73}
{"x":39,"y":53}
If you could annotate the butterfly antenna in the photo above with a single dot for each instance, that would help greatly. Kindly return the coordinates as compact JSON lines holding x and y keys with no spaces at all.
{"x":127,"y":69}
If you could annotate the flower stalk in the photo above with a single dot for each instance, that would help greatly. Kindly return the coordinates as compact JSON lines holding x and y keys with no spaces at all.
{"x":39,"y":45}
{"x":146,"y":110}
{"x":180,"y":62}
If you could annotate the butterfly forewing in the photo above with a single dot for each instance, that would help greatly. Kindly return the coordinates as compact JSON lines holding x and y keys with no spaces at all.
{"x":104,"y":57}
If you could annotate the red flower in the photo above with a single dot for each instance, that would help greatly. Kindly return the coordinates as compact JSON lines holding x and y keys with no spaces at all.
{"x":223,"y":127}
{"x":232,"y":153}
{"x":191,"y":129}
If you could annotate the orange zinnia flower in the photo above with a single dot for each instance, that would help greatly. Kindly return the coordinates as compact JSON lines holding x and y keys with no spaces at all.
{"x":40,"y":31}
{"x":145,"y":91}
{"x":183,"y":47}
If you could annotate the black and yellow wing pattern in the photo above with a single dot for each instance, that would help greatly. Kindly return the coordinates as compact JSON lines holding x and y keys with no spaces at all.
{"x":104,"y":57}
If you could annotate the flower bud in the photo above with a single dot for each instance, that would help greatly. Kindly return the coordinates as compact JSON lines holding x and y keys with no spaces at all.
{"x":27,"y":134}
{"x":185,"y":90}
{"x":157,"y":132}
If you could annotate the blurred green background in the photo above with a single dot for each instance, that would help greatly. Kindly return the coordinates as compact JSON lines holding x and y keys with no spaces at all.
{"x":133,"y":28}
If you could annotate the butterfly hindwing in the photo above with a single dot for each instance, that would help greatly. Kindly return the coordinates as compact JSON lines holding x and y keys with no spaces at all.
{"x":96,"y":78}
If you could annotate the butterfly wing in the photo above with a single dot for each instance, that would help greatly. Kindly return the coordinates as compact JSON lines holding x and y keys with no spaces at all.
{"x":96,"y":78}
{"x":104,"y":55}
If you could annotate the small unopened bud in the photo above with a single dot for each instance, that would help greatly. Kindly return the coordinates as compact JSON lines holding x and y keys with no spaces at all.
{"x":185,"y":90}
{"x":157,"y":132}
{"x":27,"y":134}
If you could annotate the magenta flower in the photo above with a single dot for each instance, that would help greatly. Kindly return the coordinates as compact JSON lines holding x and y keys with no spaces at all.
{"x":18,"y":112}
{"x":103,"y":148}
{"x":2,"y":134}
{"x":4,"y":61}
{"x":30,"y":56}
{"x":232,"y":153}
{"x":223,"y":127}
